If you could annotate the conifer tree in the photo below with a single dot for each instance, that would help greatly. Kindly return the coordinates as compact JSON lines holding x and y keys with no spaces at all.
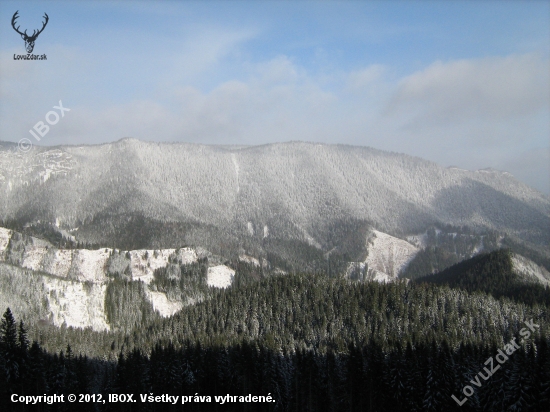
{"x":9,"y":351}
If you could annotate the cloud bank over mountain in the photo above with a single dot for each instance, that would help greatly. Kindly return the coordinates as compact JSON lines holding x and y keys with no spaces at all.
{"x":181,"y":73}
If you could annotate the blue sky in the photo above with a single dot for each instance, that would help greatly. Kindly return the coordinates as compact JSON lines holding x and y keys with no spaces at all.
{"x":462,"y":83}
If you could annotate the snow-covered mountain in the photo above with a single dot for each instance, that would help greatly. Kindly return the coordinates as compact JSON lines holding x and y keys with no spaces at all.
{"x":152,"y":210}
{"x":286,"y":190}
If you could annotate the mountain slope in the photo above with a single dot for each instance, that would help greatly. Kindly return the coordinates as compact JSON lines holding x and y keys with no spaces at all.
{"x":100,"y":288}
{"x":286,"y":191}
{"x":499,"y":273}
{"x":387,"y":256}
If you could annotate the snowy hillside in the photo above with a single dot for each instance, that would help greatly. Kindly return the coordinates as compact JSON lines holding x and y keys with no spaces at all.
{"x":220,"y":276}
{"x":144,"y":262}
{"x":19,"y":169}
{"x":162,"y":304}
{"x":284,"y":190}
{"x":277,"y":208}
{"x":387,"y":256}
{"x":75,"y":285}
{"x":89,"y":265}
{"x":530,"y":270}
{"x":5,"y":235}
{"x":76,"y":304}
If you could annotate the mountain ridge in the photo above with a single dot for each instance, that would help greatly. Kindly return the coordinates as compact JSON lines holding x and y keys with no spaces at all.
{"x":245,"y":196}
{"x":500,"y":273}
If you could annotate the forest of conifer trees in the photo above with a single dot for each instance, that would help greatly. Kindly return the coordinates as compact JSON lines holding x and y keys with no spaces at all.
{"x":311,"y":342}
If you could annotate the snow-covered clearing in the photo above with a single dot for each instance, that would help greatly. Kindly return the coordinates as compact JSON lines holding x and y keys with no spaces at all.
{"x":76,"y":304}
{"x":161,"y":303}
{"x":90,"y":265}
{"x":187,"y":256}
{"x":33,"y":257}
{"x":220,"y":276}
{"x":388,"y":254}
{"x":5,"y":235}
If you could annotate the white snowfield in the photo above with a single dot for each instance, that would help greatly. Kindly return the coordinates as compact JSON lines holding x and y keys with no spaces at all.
{"x":33,"y":257}
{"x":81,"y":264}
{"x":91,"y":265}
{"x":61,"y":264}
{"x":76,"y":304}
{"x":389,"y":255}
{"x":76,"y":295}
{"x":366,"y":274}
{"x":220,"y":276}
{"x":144,"y":262}
{"x":161,"y":303}
{"x":186,"y":256}
{"x":250,"y":228}
{"x":5,"y":236}
{"x":530,"y":270}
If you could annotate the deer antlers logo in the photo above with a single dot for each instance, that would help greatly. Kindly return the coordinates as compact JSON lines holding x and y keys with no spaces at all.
{"x":29,"y":40}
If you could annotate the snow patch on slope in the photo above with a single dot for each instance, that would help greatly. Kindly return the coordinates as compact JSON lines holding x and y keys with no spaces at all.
{"x":90,"y":265}
{"x":77,"y":304}
{"x":161,"y":303}
{"x":33,"y":257}
{"x":186,"y":256}
{"x":220,"y":276}
{"x":250,"y":228}
{"x":5,"y":236}
{"x":60,"y":264}
{"x":388,"y":254}
{"x":143,"y":262}
{"x":530,"y":270}
{"x":236,"y":164}
{"x":249,"y":259}
{"x":479,"y":247}
{"x":360,"y":271}
{"x":76,"y":294}
{"x":81,"y":264}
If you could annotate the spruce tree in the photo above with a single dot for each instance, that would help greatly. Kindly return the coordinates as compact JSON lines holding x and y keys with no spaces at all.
{"x":9,"y":351}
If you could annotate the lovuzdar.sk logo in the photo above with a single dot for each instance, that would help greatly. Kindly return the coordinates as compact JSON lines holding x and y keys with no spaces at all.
{"x":29,"y":40}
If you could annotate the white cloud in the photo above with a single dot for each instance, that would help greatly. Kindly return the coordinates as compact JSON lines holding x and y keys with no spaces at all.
{"x":489,"y":89}
{"x":471,"y":113}
{"x":361,"y":79}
